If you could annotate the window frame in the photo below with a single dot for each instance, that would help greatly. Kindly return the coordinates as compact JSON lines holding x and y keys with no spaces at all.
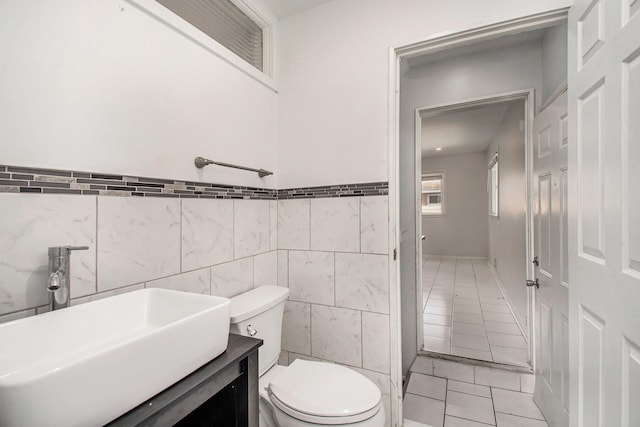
{"x":176,"y":23}
{"x":493,"y":187}
{"x":443,"y":211}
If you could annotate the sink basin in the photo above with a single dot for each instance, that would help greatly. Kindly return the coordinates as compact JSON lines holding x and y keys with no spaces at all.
{"x":88,"y":364}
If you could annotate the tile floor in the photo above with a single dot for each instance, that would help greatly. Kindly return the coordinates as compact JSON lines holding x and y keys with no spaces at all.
{"x":466,"y":314}
{"x":442,"y":393}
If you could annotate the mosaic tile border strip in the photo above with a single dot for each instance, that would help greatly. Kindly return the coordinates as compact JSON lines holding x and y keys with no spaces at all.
{"x":15,"y":179}
{"x":347,"y":190}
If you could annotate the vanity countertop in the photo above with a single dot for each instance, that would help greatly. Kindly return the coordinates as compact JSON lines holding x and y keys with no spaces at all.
{"x":237,"y":365}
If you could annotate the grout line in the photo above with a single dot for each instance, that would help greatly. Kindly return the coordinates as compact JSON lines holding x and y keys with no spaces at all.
{"x":233,"y":230}
{"x":360,"y":224}
{"x":310,"y":329}
{"x":446,"y":395}
{"x":96,"y":256}
{"x":309,"y":224}
{"x":180,"y":213}
{"x":493,"y":405}
{"x":361,"y":340}
{"x":334,"y":280}
{"x":522,"y":416}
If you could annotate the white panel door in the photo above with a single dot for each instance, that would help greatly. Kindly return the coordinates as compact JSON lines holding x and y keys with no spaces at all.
{"x":550,"y":266}
{"x":604,"y":212}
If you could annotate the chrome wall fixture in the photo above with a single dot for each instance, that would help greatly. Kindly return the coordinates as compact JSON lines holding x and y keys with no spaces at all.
{"x":201,"y":162}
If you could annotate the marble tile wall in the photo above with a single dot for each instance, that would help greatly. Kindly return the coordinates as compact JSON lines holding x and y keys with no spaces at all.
{"x":333,"y":256}
{"x":332,"y":253}
{"x":209,"y":246}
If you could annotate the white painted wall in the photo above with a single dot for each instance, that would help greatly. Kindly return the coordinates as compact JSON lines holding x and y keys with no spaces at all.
{"x":507,"y":235}
{"x":463,"y":231}
{"x":554,"y":60}
{"x":102,"y":86}
{"x":333,"y":92}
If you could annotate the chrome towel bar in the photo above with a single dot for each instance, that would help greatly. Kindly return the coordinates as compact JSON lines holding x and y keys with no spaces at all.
{"x":201,"y":162}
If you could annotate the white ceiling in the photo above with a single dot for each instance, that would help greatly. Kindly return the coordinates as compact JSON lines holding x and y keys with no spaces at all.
{"x":282,"y":8}
{"x":460,"y":131}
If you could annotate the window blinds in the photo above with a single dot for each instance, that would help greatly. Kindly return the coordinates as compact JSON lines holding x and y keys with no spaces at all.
{"x":224,"y":22}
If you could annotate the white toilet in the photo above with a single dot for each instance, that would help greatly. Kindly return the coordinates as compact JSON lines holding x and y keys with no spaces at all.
{"x":304,"y":393}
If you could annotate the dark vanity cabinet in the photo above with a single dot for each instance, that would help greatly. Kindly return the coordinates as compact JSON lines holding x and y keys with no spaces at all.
{"x":222,"y":393}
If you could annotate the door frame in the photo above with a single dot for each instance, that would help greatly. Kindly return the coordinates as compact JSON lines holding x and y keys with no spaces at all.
{"x":433,"y":44}
{"x":420,"y":113}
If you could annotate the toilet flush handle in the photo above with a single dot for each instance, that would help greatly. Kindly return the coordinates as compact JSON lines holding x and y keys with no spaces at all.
{"x":251,"y":331}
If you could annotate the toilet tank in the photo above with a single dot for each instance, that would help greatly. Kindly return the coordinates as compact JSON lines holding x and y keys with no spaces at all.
{"x":260,"y":310}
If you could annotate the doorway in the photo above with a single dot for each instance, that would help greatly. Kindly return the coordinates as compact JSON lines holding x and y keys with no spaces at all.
{"x":473,"y":218}
{"x":479,"y":81}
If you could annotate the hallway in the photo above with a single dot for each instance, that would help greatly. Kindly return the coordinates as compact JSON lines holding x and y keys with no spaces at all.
{"x":466,"y":314}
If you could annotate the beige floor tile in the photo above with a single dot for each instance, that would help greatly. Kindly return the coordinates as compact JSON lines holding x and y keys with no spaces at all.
{"x":453,"y":370}
{"x":471,"y":354}
{"x":436,"y":319}
{"x":496,"y":308}
{"x":506,"y":340}
{"x":467,"y":308}
{"x":474,"y":408}
{"x":443,"y":311}
{"x":427,"y":386}
{"x":470,"y":341}
{"x":510,"y":356}
{"x":499,"y":317}
{"x":502,"y":328}
{"x":469,"y":318}
{"x":469,"y":329}
{"x":422,"y":365}
{"x":437,"y":344}
{"x":466,"y":300}
{"x":505,"y":420}
{"x":436,"y":330}
{"x":450,"y":421}
{"x":497,"y":378}
{"x":440,"y":303}
{"x":468,"y":388}
{"x":423,"y":410}
{"x":515,"y":403}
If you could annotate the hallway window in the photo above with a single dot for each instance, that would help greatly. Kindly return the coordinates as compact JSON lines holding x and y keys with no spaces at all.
{"x":433,"y":194}
{"x":493,"y":187}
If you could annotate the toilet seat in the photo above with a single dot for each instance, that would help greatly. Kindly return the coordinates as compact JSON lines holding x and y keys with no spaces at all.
{"x":324,"y":393}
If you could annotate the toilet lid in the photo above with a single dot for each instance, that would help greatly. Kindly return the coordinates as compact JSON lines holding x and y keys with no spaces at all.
{"x":318,"y":389}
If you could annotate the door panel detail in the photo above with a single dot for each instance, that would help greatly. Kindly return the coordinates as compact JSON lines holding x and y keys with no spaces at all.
{"x":546,"y":341}
{"x":590,"y":177}
{"x":630,"y":171}
{"x":564,"y":136}
{"x":590,"y":382}
{"x":544,"y":224}
{"x":565,"y":365}
{"x":630,"y":9}
{"x":590,"y":32}
{"x":630,"y":383}
{"x":544,"y":142}
{"x":564,"y":227}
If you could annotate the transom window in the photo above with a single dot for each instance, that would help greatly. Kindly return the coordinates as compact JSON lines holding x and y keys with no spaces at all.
{"x":225,"y":23}
{"x":433,"y":194}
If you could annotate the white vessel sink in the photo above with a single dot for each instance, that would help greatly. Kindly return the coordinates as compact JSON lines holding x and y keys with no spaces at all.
{"x":88,"y":364}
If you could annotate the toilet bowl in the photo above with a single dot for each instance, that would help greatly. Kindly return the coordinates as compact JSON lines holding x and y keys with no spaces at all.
{"x":305,"y":393}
